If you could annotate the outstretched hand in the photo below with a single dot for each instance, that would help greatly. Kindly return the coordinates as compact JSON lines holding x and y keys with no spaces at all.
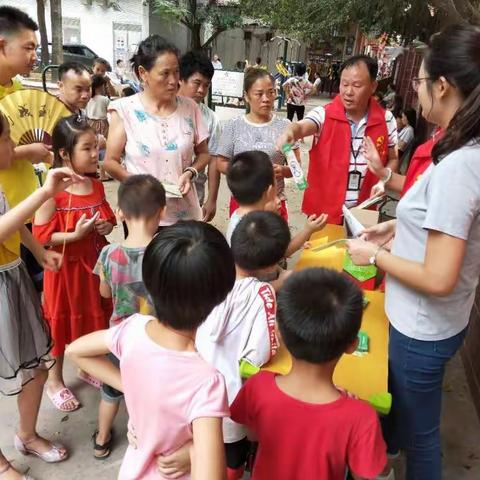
{"x":371,"y":155}
{"x":59,"y":179}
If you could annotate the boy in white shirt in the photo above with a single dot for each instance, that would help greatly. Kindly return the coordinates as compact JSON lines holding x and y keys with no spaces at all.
{"x":242,"y":328}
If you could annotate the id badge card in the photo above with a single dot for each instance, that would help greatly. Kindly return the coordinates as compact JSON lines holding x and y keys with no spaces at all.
{"x":354,"y":179}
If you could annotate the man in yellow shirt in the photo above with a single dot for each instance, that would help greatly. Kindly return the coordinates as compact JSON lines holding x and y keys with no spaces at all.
{"x":18,"y":43}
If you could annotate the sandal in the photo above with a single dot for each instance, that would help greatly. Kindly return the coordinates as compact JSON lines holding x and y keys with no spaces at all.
{"x":94,"y":382}
{"x":54,"y":455}
{"x":105,"y":448}
{"x":8,"y":467}
{"x":61,"y":398}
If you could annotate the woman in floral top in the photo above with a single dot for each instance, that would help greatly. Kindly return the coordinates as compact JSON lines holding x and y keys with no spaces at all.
{"x":159,"y":133}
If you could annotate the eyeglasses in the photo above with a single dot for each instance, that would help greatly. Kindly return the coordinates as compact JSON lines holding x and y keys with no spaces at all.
{"x":417,"y":81}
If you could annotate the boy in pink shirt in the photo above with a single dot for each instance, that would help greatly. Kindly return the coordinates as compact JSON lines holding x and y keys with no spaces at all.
{"x":172,"y":395}
{"x":306,"y":428}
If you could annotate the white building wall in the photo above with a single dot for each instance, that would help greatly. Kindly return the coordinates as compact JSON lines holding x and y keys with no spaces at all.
{"x":97,"y":32}
{"x":175,"y":33}
{"x":96,"y":22}
{"x":234,"y":45}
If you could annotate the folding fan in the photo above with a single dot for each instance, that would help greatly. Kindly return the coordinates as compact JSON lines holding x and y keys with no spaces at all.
{"x":32,"y":115}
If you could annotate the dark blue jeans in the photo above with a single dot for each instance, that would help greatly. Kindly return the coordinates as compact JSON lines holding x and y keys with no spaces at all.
{"x":416,"y":370}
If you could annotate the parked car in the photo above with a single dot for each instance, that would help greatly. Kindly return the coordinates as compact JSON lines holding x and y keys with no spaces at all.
{"x":73,"y":52}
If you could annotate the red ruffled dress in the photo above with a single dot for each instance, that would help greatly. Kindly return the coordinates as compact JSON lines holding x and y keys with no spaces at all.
{"x":72,"y":302}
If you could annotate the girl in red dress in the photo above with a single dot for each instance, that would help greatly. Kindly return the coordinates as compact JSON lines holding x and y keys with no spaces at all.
{"x":74,"y":223}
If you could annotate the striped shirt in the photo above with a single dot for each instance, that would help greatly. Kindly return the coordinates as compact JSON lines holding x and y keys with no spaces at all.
{"x":357,"y":161}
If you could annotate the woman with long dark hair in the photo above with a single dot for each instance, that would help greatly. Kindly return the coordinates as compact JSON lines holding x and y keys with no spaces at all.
{"x":434,"y":265}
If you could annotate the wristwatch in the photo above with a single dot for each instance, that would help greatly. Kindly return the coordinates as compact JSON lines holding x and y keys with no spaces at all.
{"x":373,"y":259}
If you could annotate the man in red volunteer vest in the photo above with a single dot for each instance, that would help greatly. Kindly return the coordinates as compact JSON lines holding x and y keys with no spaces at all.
{"x":338,"y":173}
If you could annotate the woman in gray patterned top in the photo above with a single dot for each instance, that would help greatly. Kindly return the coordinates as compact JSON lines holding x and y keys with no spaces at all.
{"x":257,"y":130}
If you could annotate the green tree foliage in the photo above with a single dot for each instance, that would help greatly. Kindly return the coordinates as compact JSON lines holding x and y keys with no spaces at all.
{"x":199,"y":17}
{"x":314,"y":19}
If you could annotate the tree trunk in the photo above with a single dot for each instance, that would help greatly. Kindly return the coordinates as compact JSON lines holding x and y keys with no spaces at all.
{"x":212,"y":37}
{"x":196,"y":37}
{"x":45,"y":58}
{"x":57,"y":31}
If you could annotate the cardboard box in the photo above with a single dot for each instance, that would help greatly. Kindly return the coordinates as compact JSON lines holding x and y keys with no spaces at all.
{"x":367,"y":218}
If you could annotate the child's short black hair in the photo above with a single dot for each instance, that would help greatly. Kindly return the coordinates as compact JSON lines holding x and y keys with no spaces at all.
{"x":188,"y":269}
{"x":128,"y":92}
{"x":12,"y":20}
{"x":260,"y":240}
{"x":65,"y":136}
{"x":77,"y":68}
{"x":102,"y":61}
{"x":319,"y":313}
{"x":249,"y":175}
{"x":97,"y":81}
{"x":300,"y":69}
{"x":141,"y":196}
{"x":195,"y":62}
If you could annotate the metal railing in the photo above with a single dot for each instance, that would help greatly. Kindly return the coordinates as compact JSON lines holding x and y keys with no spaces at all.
{"x":44,"y":75}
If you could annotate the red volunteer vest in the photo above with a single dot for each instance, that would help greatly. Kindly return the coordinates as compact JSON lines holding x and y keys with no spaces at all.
{"x":421,"y":160}
{"x":330,"y":160}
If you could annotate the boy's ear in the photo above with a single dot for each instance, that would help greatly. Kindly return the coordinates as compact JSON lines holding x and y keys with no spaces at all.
{"x":163,"y":212}
{"x":352,"y":347}
{"x":119,"y":214}
{"x":270,"y":192}
{"x":3,"y":42}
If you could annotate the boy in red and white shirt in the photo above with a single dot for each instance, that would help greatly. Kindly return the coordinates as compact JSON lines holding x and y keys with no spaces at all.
{"x":306,"y":427}
{"x":242,"y":328}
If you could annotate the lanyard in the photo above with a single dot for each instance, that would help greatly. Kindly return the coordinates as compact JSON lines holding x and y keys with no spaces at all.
{"x":354,"y":176}
{"x":354,"y":129}
{"x":356,"y":153}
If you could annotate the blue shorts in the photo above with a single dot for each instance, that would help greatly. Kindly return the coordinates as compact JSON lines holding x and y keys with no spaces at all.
{"x":108,"y":393}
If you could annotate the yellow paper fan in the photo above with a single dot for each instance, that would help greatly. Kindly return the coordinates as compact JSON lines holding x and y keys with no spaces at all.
{"x":32,"y":115}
